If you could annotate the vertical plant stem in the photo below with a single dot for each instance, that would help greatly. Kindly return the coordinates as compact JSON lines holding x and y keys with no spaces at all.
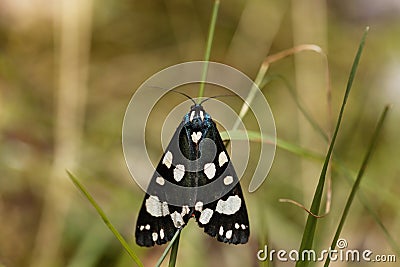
{"x":174,"y":239}
{"x":208,"y":47}
{"x":72,"y":31}
{"x":174,"y":251}
{"x":105,"y":219}
{"x":309,"y":24}
{"x":358,"y":180}
{"x":260,"y":78}
{"x":309,"y":230}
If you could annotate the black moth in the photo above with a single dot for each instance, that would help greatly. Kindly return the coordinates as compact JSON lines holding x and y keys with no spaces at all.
{"x":224,"y":218}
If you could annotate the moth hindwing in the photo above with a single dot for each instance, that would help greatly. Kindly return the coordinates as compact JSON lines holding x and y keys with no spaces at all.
{"x":194,"y":178}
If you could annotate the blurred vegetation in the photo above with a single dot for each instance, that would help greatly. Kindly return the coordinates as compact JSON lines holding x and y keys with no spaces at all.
{"x":69,"y":68}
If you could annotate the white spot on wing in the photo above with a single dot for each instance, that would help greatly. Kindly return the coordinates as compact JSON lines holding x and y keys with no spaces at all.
{"x":179,"y":172}
{"x":161,"y":233}
{"x":221,"y":230}
{"x":141,"y":227}
{"x":209,"y":170}
{"x":205,"y":216}
{"x":243,"y":226}
{"x":155,"y":236}
{"x":228,"y":180}
{"x":177,"y":219}
{"x":160,"y":180}
{"x":228,"y":234}
{"x":167,"y":160}
{"x":229,"y":206}
{"x":147,"y":227}
{"x":191,"y":116}
{"x":198,"y":206}
{"x":155,"y":207}
{"x":185,"y":210}
{"x":202,"y":115}
{"x":222,"y":158}
{"x":237,"y":226}
{"x":165,"y":210}
{"x":196,"y":137}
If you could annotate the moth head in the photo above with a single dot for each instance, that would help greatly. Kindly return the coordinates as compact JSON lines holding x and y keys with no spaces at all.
{"x":196,"y":114}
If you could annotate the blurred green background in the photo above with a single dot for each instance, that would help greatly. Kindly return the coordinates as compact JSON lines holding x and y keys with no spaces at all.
{"x":68,"y":69}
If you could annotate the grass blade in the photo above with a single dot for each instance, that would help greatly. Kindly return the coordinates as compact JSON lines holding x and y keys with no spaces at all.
{"x":358,"y":180}
{"x":175,"y":240}
{"x":392,"y":243}
{"x":297,"y":101}
{"x":174,"y":252}
{"x":258,"y":81}
{"x":176,"y":237}
{"x":308,"y":154}
{"x":311,"y":224}
{"x":208,"y":47}
{"x":254,"y":136}
{"x":105,"y":219}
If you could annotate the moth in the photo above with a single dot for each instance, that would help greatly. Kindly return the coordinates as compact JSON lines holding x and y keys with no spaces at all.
{"x":205,"y":172}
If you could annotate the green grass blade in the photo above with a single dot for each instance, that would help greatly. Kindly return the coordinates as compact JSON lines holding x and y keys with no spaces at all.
{"x":298,"y":103}
{"x":358,"y":180}
{"x":89,"y":253}
{"x":348,"y":174}
{"x":336,"y":162}
{"x":174,"y":252}
{"x":311,"y":224}
{"x":392,"y":243}
{"x":105,"y":219}
{"x":208,"y":47}
{"x":337,"y":165}
{"x":254,"y":136}
{"x":174,"y":240}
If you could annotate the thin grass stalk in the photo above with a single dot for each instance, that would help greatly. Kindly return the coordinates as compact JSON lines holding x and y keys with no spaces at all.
{"x":340,"y":166}
{"x":356,"y":184}
{"x":263,"y":71}
{"x":298,"y":103}
{"x":311,"y":224}
{"x":208,"y":47}
{"x":173,"y":240}
{"x":174,"y":252}
{"x":104,"y":217}
{"x":391,"y":241}
{"x":316,"y":127}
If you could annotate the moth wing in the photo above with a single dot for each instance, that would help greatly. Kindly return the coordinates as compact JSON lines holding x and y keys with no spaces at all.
{"x":158,"y":221}
{"x":225,"y":218}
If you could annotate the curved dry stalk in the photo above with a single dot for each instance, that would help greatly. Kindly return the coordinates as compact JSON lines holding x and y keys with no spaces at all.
{"x":291,"y":51}
{"x":265,"y":66}
{"x":260,"y":77}
{"x":317,"y":49}
{"x":286,"y":200}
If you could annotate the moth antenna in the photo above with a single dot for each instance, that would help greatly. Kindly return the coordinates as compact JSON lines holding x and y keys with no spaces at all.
{"x":212,"y":97}
{"x":175,"y":91}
